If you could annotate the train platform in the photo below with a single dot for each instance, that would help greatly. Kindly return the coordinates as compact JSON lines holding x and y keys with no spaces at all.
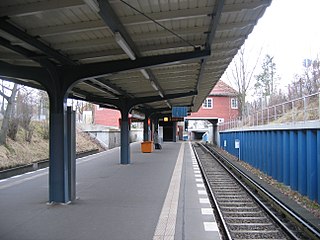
{"x":160,"y":195}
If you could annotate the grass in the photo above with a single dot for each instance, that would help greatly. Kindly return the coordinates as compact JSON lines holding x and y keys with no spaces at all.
{"x":20,"y":152}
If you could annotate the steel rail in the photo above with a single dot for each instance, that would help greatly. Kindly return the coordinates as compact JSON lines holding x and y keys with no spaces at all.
{"x":280,"y":206}
{"x":216,"y":205}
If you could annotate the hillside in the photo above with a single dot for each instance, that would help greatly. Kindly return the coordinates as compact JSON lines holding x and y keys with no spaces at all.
{"x":20,"y":152}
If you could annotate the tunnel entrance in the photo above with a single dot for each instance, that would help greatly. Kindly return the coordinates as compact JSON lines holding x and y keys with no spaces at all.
{"x":197,"y":135}
{"x":168,"y":133}
{"x":170,"y":128}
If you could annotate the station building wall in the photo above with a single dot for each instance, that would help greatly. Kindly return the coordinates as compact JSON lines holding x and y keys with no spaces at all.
{"x":107,"y":117}
{"x":221,"y":108}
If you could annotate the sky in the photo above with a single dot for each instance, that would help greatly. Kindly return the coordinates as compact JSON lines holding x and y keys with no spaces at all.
{"x":290,"y":32}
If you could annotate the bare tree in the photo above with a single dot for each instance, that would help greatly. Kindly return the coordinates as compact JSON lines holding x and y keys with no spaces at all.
{"x":306,"y":83}
{"x":311,"y":77}
{"x":242,"y":75}
{"x":24,"y":111}
{"x":9,"y":95}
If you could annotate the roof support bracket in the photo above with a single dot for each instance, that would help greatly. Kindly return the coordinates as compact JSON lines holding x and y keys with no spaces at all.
{"x":91,"y":70}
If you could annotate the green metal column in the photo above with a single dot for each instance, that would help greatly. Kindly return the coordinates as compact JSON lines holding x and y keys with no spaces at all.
{"x":125,"y":144}
{"x":61,"y":147}
{"x":59,"y":187}
{"x":71,"y":123}
{"x":146,"y":129}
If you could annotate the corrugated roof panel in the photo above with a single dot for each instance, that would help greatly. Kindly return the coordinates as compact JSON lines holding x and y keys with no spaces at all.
{"x":79,"y":32}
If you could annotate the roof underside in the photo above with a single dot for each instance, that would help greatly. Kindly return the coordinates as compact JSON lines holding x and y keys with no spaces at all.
{"x":83,"y":32}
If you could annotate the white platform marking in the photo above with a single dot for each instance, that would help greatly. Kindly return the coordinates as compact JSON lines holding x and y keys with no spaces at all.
{"x":167,"y":221}
{"x":200,"y":185}
{"x":210,"y":227}
{"x":204,"y":200}
{"x":202,"y":192}
{"x":206,"y":211}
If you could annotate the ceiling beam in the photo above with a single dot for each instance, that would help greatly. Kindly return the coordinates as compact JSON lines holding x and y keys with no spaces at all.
{"x":34,"y":42}
{"x":92,"y":84}
{"x":12,"y":56}
{"x":232,"y":26}
{"x":112,"y":21}
{"x":180,"y":14}
{"x":151,"y":99}
{"x":68,"y":28}
{"x":133,"y":102}
{"x":25,"y":37}
{"x":224,"y":40}
{"x":228,"y":8}
{"x":137,"y":19}
{"x":23,"y":72}
{"x":99,"y":69}
{"x":108,"y":83}
{"x":136,"y":38}
{"x":143,"y":49}
{"x":22,"y":51}
{"x":23,"y":82}
{"x":38,"y":7}
{"x":215,"y":19}
{"x":126,"y":21}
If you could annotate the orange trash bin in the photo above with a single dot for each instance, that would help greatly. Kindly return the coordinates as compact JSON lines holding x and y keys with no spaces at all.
{"x":147,"y":146}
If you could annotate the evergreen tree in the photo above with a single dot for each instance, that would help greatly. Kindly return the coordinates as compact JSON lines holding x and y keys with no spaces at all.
{"x":266,"y":81}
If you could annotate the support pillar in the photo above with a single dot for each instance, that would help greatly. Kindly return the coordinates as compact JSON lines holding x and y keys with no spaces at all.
{"x":62,"y":135}
{"x":156,"y":123}
{"x":216,"y":139}
{"x":125,"y":144}
{"x":71,"y":130}
{"x":146,"y":129}
{"x":59,"y":169}
{"x":155,"y":127}
{"x":174,"y":131}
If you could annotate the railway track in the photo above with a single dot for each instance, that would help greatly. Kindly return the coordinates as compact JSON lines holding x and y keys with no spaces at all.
{"x":244,"y":214}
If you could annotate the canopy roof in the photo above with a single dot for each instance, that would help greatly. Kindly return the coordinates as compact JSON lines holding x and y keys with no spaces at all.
{"x":158,"y":54}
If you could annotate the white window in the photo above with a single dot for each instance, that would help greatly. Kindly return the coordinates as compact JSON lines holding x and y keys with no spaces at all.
{"x":234,"y":103}
{"x":208,"y":102}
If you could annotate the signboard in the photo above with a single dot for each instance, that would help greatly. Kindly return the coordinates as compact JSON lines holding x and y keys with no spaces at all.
{"x":171,"y":119}
{"x":179,"y":111}
{"x":237,"y":143}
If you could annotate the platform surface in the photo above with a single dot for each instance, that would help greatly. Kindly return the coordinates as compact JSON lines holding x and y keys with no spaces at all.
{"x":114,"y":201}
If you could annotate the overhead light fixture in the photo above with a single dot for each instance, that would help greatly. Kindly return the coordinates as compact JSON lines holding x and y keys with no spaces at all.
{"x":123,"y":44}
{"x":145,"y":73}
{"x":93,"y":4}
{"x":168,"y":104}
{"x":160,"y":93}
{"x":153,"y":84}
{"x":79,"y":95}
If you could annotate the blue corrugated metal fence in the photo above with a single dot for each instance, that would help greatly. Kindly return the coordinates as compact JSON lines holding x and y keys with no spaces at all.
{"x":289,"y":156}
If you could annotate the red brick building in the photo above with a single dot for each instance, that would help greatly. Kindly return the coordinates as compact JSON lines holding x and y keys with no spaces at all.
{"x":221,"y":103}
{"x":106,"y":117}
